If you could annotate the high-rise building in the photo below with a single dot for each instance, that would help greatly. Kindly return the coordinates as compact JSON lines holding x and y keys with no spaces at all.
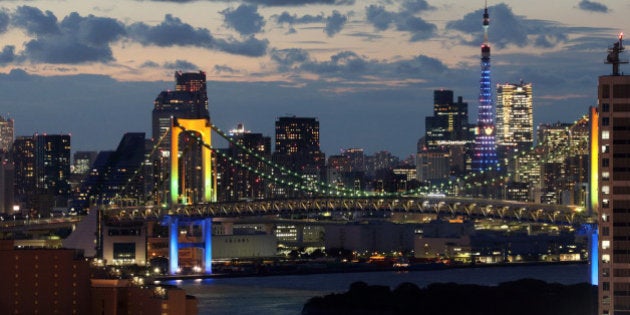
{"x":117,"y":176}
{"x":356,"y":159}
{"x":484,"y":149}
{"x":7,"y":184}
{"x":449,"y":123}
{"x":442,"y":152}
{"x":6,"y":134}
{"x":515,"y":119}
{"x":82,"y":161}
{"x":613,"y":193}
{"x":239,"y":183}
{"x":189,"y":100}
{"x":42,"y":164}
{"x":23,"y":156}
{"x":297,"y":146}
{"x":52,"y":165}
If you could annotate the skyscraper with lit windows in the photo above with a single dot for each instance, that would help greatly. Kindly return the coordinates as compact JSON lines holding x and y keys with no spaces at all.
{"x":297,"y":147}
{"x":613,"y":180}
{"x":514,"y":117}
{"x":484,"y":148}
{"x":6,"y":134}
{"x":42,"y":164}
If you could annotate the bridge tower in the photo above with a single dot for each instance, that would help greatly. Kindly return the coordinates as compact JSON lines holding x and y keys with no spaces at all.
{"x":201,"y":126}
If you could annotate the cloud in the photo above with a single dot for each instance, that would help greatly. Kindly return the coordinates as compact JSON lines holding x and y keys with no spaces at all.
{"x":4,"y":21}
{"x":350,"y":65}
{"x":149,"y":64}
{"x":289,"y":59}
{"x":287,"y":3}
{"x":170,"y":32}
{"x":420,"y":66}
{"x":592,"y":6}
{"x":181,"y":65}
{"x":251,"y":46}
{"x":93,"y":30}
{"x":286,"y":17}
{"x":219,"y":69}
{"x":404,"y":21}
{"x":335,"y":23}
{"x":173,"y":32}
{"x":7,"y":55}
{"x":379,"y":17}
{"x":244,"y":19}
{"x":75,"y":39}
{"x":35,"y":22}
{"x":415,"y":6}
{"x":521,"y":31}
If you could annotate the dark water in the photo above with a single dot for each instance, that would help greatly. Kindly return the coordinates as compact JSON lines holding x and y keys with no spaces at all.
{"x":287,"y":294}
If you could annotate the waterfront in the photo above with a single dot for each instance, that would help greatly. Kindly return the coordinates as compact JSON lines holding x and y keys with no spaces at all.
{"x":287,"y":294}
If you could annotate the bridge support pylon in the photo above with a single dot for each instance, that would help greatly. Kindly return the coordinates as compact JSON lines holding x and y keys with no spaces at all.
{"x":201,"y":126}
{"x":206,"y":231}
{"x":174,"y":245}
{"x":173,"y":248}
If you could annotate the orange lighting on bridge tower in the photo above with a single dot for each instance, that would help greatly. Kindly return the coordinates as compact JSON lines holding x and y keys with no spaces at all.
{"x":202,"y":126}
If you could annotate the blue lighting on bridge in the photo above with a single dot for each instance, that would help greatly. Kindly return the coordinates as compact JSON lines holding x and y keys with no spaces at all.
{"x":173,"y":248}
{"x":207,"y":238}
{"x":594,"y":257}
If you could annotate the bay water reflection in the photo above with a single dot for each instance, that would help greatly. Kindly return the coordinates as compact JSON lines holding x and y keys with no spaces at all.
{"x":287,"y":294}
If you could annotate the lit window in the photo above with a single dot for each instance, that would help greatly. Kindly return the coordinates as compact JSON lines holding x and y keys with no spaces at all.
{"x":605,"y":175}
{"x":605,"y":189}
{"x":605,"y":148}
{"x":605,"y":244}
{"x":605,"y":134}
{"x":605,"y":258}
{"x":605,"y":217}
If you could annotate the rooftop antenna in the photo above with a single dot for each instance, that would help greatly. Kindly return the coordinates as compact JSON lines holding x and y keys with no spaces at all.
{"x":613,"y":55}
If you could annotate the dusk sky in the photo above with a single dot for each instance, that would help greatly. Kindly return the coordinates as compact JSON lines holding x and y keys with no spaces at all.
{"x":366,"y":69}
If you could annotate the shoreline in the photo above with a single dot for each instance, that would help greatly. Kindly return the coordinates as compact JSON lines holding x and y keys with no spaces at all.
{"x":305,"y":269}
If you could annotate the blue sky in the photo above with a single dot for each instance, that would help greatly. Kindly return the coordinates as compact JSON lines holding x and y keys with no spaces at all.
{"x":366,"y":69}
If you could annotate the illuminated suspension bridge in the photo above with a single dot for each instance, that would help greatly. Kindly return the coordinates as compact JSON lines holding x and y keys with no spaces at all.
{"x":321,"y":197}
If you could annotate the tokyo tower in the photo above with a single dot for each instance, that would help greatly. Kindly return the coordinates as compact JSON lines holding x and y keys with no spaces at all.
{"x":484,"y":148}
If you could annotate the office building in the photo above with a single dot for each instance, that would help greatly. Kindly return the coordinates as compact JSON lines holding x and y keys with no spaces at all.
{"x":7,"y":187}
{"x":444,"y":149}
{"x":381,"y":160}
{"x":82,"y":162}
{"x":356,"y":158}
{"x":297,"y":148}
{"x":514,"y":118}
{"x":117,"y":176}
{"x":6,"y":134}
{"x":238,"y":182}
{"x":449,"y":123}
{"x":43,"y":281}
{"x":613,"y":193}
{"x":42,"y":170}
{"x":23,"y":156}
{"x":484,"y":149}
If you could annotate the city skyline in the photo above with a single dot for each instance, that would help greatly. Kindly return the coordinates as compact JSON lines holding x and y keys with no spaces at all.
{"x":366,"y":70}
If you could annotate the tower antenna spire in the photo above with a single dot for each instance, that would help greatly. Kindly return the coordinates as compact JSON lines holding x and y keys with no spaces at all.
{"x":613,"y":55}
